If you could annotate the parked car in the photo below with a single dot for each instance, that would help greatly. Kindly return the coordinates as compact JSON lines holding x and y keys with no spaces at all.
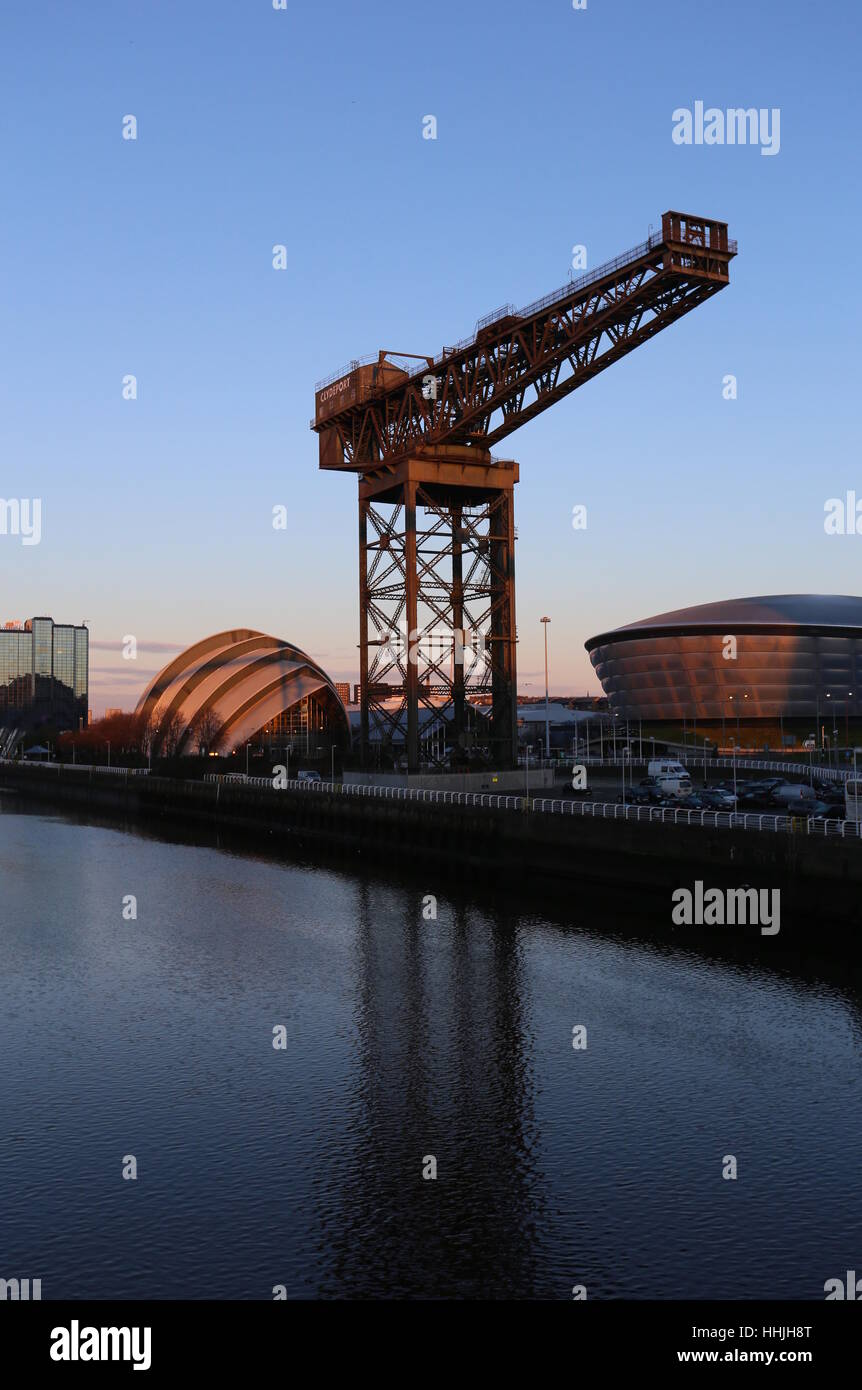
{"x":809,"y":810}
{"x":718,"y":799}
{"x":637,"y":796}
{"x":308,"y":776}
{"x":756,"y":801}
{"x":790,"y":792}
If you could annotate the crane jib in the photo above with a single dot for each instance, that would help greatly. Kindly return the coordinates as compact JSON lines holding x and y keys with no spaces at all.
{"x":520,"y":362}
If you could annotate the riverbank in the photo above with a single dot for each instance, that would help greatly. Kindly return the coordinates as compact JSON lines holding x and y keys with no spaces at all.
{"x":823,"y":874}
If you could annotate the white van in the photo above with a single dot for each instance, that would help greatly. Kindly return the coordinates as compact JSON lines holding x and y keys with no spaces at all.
{"x":671,"y":777}
{"x":793,"y":791}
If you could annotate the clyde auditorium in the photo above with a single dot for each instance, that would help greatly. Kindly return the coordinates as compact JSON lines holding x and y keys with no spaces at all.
{"x":238,"y":687}
{"x":792,"y":655}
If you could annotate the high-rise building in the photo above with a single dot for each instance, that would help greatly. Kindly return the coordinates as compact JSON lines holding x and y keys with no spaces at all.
{"x":342,"y":688}
{"x":44,"y":674}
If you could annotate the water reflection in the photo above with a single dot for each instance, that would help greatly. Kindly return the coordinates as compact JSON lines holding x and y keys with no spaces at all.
{"x":409,"y":1037}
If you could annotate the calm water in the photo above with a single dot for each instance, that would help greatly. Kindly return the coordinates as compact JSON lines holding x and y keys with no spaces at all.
{"x":405,"y":1038}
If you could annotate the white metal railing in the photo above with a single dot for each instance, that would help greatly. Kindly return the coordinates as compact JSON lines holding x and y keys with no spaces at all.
{"x":79,"y":767}
{"x":693,"y":762}
{"x":600,"y":810}
{"x":603,"y":810}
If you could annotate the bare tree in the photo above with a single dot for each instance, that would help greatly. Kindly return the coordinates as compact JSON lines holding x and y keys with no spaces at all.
{"x":169,"y":734}
{"x":204,"y":728}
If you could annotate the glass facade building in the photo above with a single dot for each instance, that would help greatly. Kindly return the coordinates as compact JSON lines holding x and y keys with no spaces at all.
{"x":44,"y":675}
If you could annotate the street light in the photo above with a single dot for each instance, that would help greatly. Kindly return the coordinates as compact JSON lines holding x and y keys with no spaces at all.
{"x":544,"y":622}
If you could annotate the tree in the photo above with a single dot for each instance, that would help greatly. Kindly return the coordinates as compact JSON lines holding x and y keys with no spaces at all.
{"x":204,"y":728}
{"x":168,"y":735}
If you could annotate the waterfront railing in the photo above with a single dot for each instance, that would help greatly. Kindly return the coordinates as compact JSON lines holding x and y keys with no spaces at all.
{"x":542,"y":805}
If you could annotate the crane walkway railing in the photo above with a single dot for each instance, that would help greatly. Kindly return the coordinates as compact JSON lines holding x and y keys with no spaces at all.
{"x":572,"y":287}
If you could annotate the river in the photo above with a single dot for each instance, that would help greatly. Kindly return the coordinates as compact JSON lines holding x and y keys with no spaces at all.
{"x":411,"y":1042}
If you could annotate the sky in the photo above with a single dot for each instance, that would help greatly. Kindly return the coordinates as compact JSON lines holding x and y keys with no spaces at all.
{"x":303,"y":127}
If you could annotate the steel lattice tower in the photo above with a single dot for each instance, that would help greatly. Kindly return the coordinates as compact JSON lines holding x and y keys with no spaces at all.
{"x":436,"y":508}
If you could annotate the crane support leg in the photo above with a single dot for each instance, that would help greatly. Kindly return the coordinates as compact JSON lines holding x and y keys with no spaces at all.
{"x":437,"y":610}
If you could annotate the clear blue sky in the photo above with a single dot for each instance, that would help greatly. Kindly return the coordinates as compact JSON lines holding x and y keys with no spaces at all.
{"x":304,"y":127}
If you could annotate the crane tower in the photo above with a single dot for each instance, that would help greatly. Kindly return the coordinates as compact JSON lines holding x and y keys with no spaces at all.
{"x":436,"y":513}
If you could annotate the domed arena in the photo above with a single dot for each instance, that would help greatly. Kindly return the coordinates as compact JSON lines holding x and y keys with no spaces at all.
{"x":241,"y":687}
{"x":785,"y":655}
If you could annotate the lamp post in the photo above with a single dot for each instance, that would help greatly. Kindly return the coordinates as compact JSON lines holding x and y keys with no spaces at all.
{"x":832,"y":735}
{"x":544,"y":622}
{"x":247,"y":746}
{"x":735,"y":800}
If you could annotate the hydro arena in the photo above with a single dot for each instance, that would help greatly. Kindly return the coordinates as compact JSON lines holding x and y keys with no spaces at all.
{"x":775,"y":658}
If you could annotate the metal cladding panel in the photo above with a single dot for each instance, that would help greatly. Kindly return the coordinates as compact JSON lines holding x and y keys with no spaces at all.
{"x":331,"y":449}
{"x":251,"y":706}
{"x":355,"y":388}
{"x":337,"y":396}
{"x":236,"y":677}
{"x":685,"y":677}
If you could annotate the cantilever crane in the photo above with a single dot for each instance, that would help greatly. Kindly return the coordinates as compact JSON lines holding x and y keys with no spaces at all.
{"x":437,"y":604}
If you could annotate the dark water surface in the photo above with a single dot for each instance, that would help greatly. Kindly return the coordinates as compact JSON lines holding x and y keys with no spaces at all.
{"x":406,"y":1038}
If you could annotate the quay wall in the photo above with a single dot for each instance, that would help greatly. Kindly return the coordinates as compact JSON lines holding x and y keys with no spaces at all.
{"x":824,"y":873}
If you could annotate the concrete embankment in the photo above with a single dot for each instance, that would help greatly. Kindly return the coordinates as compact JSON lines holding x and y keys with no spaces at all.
{"x":823,"y":874}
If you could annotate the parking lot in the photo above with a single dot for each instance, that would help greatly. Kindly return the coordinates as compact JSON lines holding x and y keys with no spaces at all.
{"x":714,"y":791}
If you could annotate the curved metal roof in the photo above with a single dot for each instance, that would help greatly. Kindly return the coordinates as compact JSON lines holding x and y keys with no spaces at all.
{"x":238,"y":680}
{"x":839,"y":614}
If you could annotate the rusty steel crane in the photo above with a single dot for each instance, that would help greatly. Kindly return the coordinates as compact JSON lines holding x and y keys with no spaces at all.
{"x":437,"y":590}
